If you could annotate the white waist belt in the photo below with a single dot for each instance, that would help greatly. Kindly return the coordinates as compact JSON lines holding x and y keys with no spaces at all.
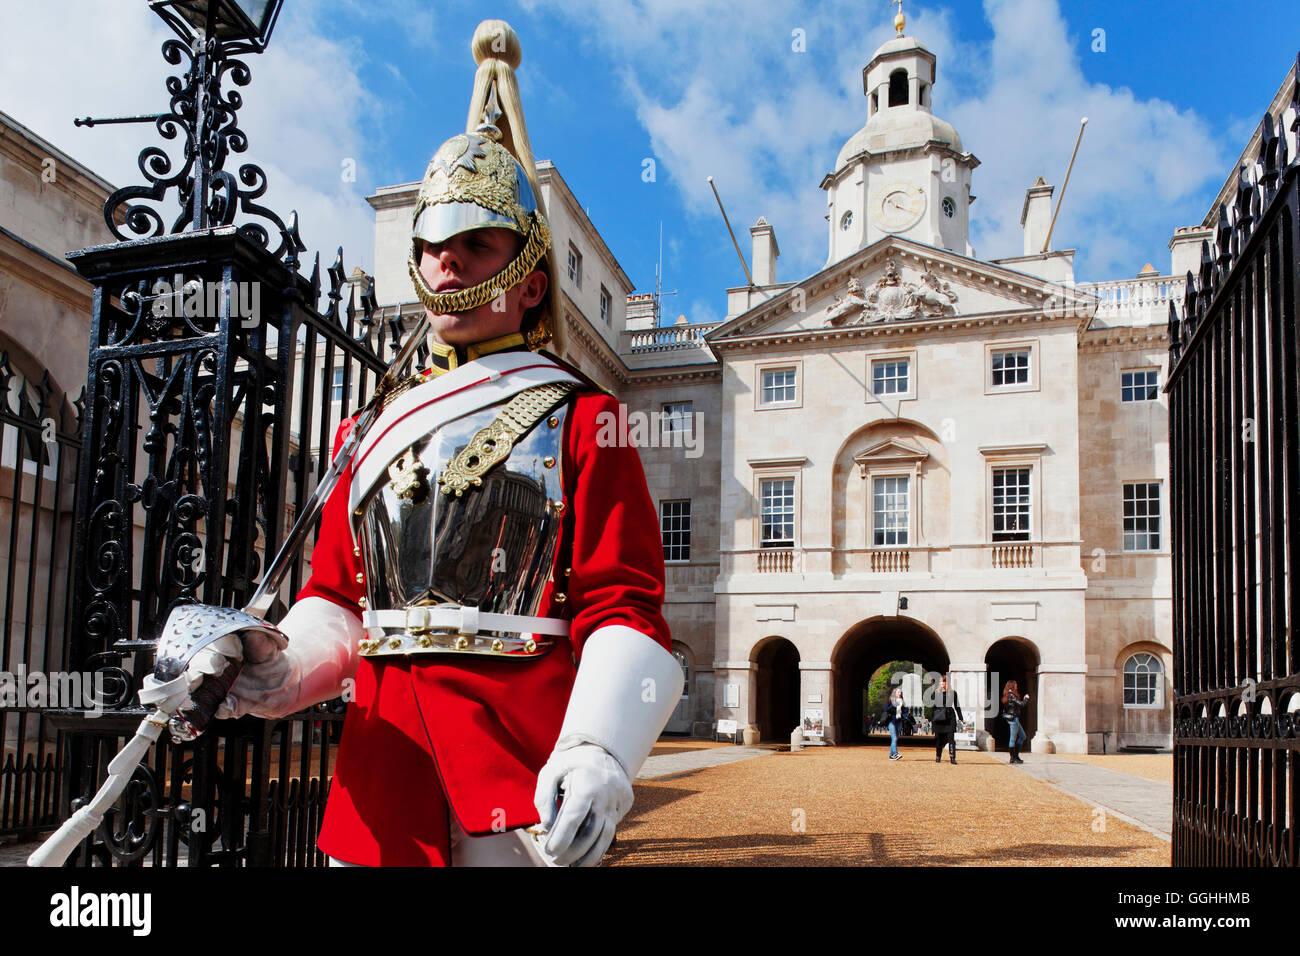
{"x":468,"y":621}
{"x":452,"y":629}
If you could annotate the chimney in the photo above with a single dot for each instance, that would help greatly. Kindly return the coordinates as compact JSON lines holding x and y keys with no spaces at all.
{"x":1036,"y":216}
{"x":765,"y":253}
{"x":1185,"y":250}
{"x":641,"y":312}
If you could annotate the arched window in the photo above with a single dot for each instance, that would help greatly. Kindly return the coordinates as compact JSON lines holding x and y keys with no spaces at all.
{"x":875,"y":102}
{"x":686,"y":672}
{"x":1142,"y":681}
{"x":898,"y":88}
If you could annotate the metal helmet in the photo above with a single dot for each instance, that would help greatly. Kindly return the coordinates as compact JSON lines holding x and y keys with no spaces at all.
{"x":474,"y":181}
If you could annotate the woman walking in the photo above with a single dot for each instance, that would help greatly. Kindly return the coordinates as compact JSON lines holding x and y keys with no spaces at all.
{"x":946,"y":713}
{"x":893,"y":717}
{"x":1012,"y":707}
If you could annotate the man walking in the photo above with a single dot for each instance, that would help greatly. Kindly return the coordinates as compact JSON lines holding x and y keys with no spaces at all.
{"x":946,"y":714}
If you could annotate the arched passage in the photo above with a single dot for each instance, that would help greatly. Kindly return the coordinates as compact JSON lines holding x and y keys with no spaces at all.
{"x":1012,"y":658}
{"x":776,"y":708}
{"x":864,"y":648}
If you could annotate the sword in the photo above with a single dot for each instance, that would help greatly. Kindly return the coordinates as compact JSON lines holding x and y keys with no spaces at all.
{"x":167,"y":688}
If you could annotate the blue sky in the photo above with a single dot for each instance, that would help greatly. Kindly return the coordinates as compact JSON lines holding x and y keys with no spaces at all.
{"x":706,"y":89}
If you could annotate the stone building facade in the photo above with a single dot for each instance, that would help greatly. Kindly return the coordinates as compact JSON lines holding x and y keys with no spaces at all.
{"x":911,"y":454}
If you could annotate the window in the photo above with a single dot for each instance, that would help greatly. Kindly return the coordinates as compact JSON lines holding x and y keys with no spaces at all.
{"x":778,"y":386}
{"x":846,"y":220}
{"x":898,"y":88}
{"x":604,"y":306}
{"x":675,"y":528}
{"x":777,"y":501}
{"x":337,"y":394}
{"x":1142,"y":680}
{"x":889,"y":377}
{"x":1140,"y":386}
{"x":1011,"y":367}
{"x":678,"y":417}
{"x":949,"y":207}
{"x":1142,"y":516}
{"x":1011,"y":504}
{"x":686,"y":672}
{"x":889,"y":510}
{"x":575,"y":266}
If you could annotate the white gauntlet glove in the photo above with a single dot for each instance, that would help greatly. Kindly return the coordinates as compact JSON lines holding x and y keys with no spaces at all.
{"x":596,"y":795}
{"x":625,"y":691}
{"x":321,"y":654}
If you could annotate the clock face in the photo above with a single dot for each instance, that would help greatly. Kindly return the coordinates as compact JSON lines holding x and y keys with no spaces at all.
{"x":900,"y":207}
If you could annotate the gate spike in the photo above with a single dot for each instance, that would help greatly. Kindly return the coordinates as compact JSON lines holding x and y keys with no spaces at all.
{"x":1206,"y":284}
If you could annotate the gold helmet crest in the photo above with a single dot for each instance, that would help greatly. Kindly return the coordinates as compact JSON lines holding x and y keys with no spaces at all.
{"x":485,"y":179}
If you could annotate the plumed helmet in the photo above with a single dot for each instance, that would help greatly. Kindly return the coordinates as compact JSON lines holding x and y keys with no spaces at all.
{"x":485,"y":178}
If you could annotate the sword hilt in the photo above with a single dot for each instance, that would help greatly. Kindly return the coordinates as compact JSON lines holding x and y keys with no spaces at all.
{"x":193,"y":720}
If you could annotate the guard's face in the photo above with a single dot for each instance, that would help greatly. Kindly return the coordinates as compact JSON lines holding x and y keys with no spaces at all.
{"x":465,"y":260}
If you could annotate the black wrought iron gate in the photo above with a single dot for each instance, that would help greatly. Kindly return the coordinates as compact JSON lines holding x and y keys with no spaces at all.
{"x":217,"y":376}
{"x":1235,"y":488}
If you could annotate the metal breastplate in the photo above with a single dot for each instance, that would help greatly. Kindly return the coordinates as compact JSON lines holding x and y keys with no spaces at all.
{"x":491,"y":548}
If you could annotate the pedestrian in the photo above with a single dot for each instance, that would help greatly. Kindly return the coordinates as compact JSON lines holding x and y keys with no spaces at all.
{"x":1012,"y":707}
{"x":893,"y":718}
{"x":944,"y":717}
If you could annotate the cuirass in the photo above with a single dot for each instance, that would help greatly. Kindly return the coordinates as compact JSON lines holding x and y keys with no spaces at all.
{"x":491,"y":547}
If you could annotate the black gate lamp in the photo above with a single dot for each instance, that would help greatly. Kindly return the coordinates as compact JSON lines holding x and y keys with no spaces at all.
{"x":230,"y":21}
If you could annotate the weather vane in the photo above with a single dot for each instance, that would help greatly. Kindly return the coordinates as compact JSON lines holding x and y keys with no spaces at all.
{"x":899,"y":20}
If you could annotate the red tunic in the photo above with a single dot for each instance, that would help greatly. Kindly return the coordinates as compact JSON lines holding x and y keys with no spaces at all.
{"x":428,"y":735}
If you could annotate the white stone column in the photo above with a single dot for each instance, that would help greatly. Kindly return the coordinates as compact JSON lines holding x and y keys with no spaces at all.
{"x":815,"y":682}
{"x":743,"y":674}
{"x":1061,"y":709}
{"x":970,"y":680}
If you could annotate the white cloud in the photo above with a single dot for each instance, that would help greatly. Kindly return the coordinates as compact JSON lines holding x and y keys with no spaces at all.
{"x":720,"y":92}
{"x":1141,"y":165}
{"x":305,"y":112}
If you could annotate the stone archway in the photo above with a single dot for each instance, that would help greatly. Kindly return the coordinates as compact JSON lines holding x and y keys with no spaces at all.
{"x":776,"y":687}
{"x":864,"y":648}
{"x":1012,"y":658}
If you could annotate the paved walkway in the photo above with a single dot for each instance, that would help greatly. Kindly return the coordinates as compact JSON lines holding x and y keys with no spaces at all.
{"x":1147,"y":804}
{"x":851,"y":806}
{"x":685,"y":761}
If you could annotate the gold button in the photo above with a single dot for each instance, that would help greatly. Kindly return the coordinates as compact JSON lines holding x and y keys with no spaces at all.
{"x":559,"y":597}
{"x":361,"y":602}
{"x":357,"y":512}
{"x":559,"y":507}
{"x":360,"y":578}
{"x":356,"y":552}
{"x":549,"y":461}
{"x":425,"y":641}
{"x":395,"y":643}
{"x":462,"y":642}
{"x":498,"y":645}
{"x":553,"y":421}
{"x":568,"y":571}
{"x":530,"y":645}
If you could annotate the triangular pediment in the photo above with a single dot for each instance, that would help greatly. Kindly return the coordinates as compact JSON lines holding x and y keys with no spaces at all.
{"x":890,"y":451}
{"x":898,"y":281}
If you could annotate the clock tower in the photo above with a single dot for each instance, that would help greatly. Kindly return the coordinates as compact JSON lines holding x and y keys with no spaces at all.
{"x":905,"y":172}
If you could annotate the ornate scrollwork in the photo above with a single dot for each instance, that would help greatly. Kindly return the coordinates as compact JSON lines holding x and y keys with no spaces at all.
{"x":130,"y":828}
{"x":209,"y":195}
